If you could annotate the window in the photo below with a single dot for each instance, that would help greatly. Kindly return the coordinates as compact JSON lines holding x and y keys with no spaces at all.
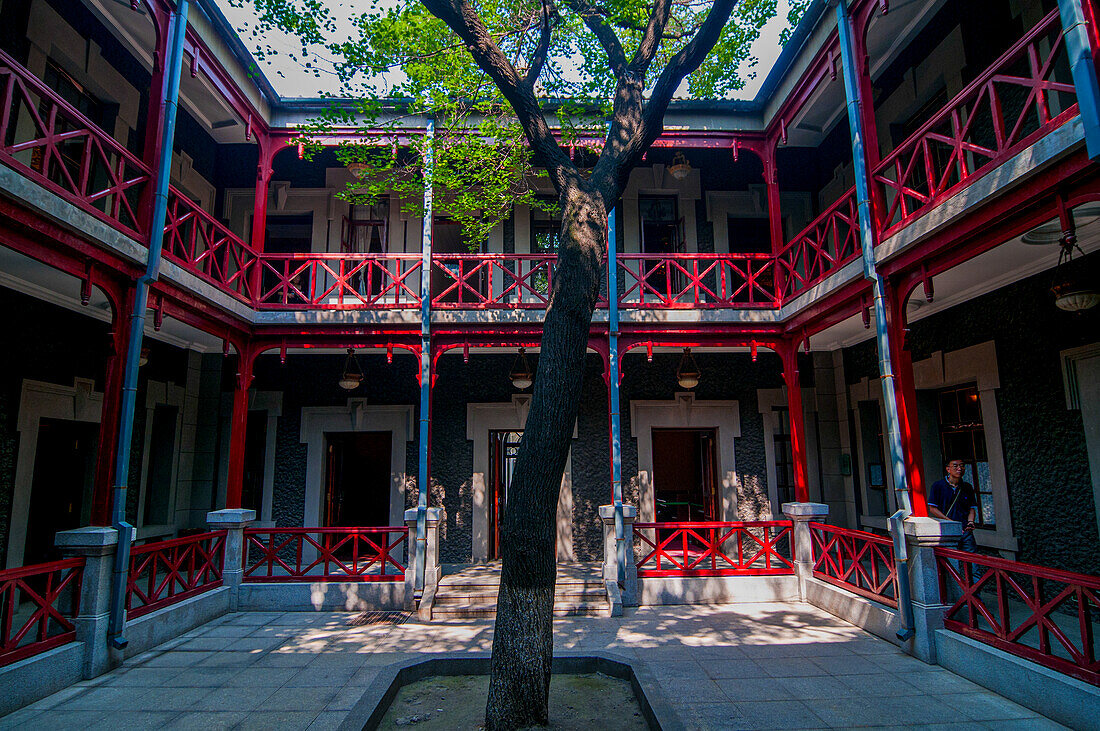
{"x":661,"y":224}
{"x":545,"y":229}
{"x":870,"y":424}
{"x":784,"y":460}
{"x":749,"y":234}
{"x":962,"y":437}
{"x":158,"y":478}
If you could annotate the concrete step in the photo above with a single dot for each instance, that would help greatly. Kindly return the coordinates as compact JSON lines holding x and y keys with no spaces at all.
{"x":487,"y":611}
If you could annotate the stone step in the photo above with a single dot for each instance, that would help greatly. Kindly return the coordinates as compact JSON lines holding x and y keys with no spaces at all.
{"x":488,"y":611}
{"x":451,"y":598}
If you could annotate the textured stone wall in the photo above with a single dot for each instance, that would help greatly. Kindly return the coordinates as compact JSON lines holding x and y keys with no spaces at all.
{"x":1046,"y":462}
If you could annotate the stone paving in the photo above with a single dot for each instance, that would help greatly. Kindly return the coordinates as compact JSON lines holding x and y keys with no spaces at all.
{"x":745,"y":666}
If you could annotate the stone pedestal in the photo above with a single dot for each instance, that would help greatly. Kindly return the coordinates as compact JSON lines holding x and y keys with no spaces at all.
{"x":428,"y":543}
{"x":233,"y":521}
{"x":802,"y":545}
{"x":96,"y":545}
{"x":922,"y":536}
{"x":628,"y":590}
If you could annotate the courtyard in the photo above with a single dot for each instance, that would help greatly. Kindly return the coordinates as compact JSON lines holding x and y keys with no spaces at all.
{"x":739,"y":666}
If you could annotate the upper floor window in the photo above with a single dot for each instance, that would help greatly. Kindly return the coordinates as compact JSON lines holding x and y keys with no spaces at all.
{"x":662,"y":227}
{"x":545,"y":231}
{"x":749,"y":234}
{"x":962,"y":437}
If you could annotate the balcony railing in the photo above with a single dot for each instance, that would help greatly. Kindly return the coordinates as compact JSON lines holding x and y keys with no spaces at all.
{"x":325,"y":554}
{"x":48,"y":140}
{"x":714,"y":549}
{"x":823,"y":247}
{"x":38,"y":604}
{"x":166,"y":572}
{"x":855,"y":560}
{"x":204,"y":246}
{"x":338,"y":281}
{"x":1024,"y":95}
{"x":697,"y":281}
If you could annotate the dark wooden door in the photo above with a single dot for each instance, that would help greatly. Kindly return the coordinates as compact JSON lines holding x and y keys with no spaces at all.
{"x":64,"y":468}
{"x":357,"y":479}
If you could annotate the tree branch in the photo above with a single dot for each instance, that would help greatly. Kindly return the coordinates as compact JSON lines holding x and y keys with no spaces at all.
{"x":605,"y":34}
{"x":651,"y":39}
{"x":542,"y":50}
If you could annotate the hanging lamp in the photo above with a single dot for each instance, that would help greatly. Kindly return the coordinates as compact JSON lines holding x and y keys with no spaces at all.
{"x":687,"y":373}
{"x":1072,"y":292}
{"x":680,"y":167}
{"x":353,"y":374}
{"x":521,"y":375}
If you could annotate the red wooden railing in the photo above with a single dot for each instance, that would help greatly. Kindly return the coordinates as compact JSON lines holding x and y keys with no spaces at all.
{"x":37,"y":606}
{"x":697,"y":281}
{"x":855,"y":560}
{"x":49,"y":140}
{"x":325,"y":554}
{"x":166,"y":572}
{"x":488,"y":281}
{"x":204,"y":246}
{"x":714,"y":549}
{"x":823,"y":247}
{"x":338,"y":281}
{"x":1020,"y":608}
{"x":1015,"y":102}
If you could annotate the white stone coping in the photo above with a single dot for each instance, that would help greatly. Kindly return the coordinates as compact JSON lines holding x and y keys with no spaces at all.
{"x":607,"y":512}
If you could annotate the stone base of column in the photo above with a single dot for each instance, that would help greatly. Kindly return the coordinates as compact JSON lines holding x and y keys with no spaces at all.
{"x":433,"y":572}
{"x":233,"y":521}
{"x":97,"y":546}
{"x":626,"y":593}
{"x":802,"y":545}
{"x":922,"y":536}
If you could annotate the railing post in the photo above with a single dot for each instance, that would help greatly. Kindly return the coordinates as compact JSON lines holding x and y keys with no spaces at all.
{"x":922,"y":536}
{"x":627,"y":593}
{"x":96,"y":545}
{"x":802,"y":544}
{"x":233,"y":521}
{"x":433,"y":572}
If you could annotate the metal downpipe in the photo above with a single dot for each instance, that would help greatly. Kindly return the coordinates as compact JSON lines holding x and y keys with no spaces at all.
{"x":613,"y":395}
{"x":870,"y":271}
{"x":1083,"y":67}
{"x":425,"y":361}
{"x":117,"y":621}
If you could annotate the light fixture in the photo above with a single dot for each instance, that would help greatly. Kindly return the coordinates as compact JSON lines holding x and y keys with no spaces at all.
{"x":1071,"y":292}
{"x":357,"y":169}
{"x":680,"y":167}
{"x":143,"y":357}
{"x":687,"y":373}
{"x":353,"y":374}
{"x":521,"y":374}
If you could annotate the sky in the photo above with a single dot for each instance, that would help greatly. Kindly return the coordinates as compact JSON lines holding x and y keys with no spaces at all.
{"x":292,"y":79}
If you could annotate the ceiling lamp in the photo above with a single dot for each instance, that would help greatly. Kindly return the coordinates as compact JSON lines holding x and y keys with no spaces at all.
{"x":143,"y":357}
{"x":353,"y":374}
{"x":358,"y":169}
{"x":680,"y":167}
{"x":687,"y":373}
{"x":1071,"y":292}
{"x":521,"y":375}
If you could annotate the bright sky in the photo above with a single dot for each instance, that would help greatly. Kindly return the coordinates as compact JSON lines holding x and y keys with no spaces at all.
{"x":292,"y":78}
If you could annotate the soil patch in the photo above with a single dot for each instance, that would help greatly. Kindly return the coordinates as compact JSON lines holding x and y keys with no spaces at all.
{"x":577,"y":701}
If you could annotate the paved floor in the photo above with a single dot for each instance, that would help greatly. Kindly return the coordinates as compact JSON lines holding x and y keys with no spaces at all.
{"x":748,"y":666}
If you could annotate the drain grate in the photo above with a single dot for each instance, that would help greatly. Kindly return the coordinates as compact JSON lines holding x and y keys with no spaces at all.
{"x":379,"y":618}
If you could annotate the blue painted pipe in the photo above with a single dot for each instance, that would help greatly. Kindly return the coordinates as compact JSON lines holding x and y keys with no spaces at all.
{"x":170,"y":98}
{"x":613,"y":388}
{"x":1083,"y":67}
{"x":425,"y":361}
{"x":870,"y":271}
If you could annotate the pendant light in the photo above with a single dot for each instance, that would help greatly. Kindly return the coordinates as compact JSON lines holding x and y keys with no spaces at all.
{"x":687,"y":373}
{"x":521,"y":375}
{"x":353,"y":374}
{"x":680,"y":167}
{"x":1072,"y":293}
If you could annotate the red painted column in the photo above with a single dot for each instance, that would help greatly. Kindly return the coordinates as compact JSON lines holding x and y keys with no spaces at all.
{"x":239,"y":428}
{"x":154,"y":117}
{"x":259,"y":208}
{"x":871,"y":151}
{"x":905,"y":396}
{"x":788,"y":351}
{"x":775,"y":216}
{"x":107,"y":445}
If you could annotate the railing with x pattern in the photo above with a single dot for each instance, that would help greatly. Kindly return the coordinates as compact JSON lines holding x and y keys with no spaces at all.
{"x":490,"y":281}
{"x":1023,"y":96}
{"x":714,"y":548}
{"x":38,"y":604}
{"x":325,"y":554}
{"x":828,"y":243}
{"x":338,"y":281}
{"x":166,"y":572}
{"x":855,"y":560}
{"x":697,"y":281}
{"x":1049,"y":616}
{"x":205,"y":246}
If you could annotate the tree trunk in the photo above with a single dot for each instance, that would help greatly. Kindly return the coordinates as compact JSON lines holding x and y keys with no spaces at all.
{"x":523,"y":641}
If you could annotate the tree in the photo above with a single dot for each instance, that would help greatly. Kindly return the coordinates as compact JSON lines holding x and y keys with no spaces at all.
{"x":515,"y":84}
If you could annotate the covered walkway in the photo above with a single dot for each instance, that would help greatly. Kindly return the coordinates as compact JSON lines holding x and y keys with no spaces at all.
{"x":742,"y":666}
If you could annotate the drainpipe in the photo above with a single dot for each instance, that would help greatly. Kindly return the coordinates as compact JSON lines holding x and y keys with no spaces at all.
{"x":425,"y":361}
{"x":613,"y":390}
{"x":1083,"y":67}
{"x":870,"y":271}
{"x":171,"y":91}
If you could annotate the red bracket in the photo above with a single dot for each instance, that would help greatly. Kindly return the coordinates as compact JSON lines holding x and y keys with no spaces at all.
{"x":86,"y":285}
{"x":752,"y":350}
{"x":282,"y":353}
{"x":926,"y":280}
{"x":158,"y":314}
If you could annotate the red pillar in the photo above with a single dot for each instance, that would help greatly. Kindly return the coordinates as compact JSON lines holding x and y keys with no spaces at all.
{"x":775,"y":215}
{"x":150,"y":153}
{"x":106,"y":448}
{"x":239,"y":427}
{"x":788,"y":351}
{"x":259,"y":209}
{"x":905,"y":397}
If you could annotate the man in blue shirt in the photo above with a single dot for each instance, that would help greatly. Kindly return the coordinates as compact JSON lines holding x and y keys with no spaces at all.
{"x":952,"y":498}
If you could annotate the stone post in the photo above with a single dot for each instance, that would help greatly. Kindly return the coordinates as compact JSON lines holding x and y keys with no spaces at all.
{"x":96,"y":545}
{"x":432,"y":570}
{"x":627,"y":594}
{"x":802,"y":544}
{"x":922,"y":535}
{"x":233,"y":521}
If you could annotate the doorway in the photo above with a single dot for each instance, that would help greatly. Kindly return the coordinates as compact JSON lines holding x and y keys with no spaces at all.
{"x":448,"y":284}
{"x":503,"y":450}
{"x":357,"y":479}
{"x":685,"y":475}
{"x":64,"y":470}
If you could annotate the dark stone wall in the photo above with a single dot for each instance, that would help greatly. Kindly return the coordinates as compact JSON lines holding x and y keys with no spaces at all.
{"x":1046,"y":461}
